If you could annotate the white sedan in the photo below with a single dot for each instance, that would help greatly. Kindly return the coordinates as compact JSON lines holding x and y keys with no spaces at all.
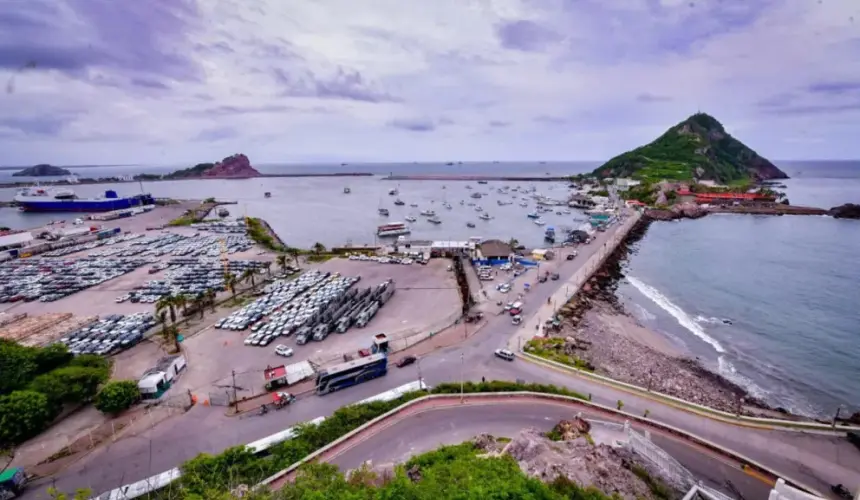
{"x":284,"y":351}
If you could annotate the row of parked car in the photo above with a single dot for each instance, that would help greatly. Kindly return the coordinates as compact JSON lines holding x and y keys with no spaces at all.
{"x":390,"y":259}
{"x":112,"y":333}
{"x":48,"y":280}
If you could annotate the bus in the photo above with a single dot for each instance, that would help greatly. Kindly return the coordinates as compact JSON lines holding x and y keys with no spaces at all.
{"x":351,"y":373}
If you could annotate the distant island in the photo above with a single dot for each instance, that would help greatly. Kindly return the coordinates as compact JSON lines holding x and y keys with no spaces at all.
{"x":697,"y":149}
{"x":232,"y":167}
{"x":41,"y":170}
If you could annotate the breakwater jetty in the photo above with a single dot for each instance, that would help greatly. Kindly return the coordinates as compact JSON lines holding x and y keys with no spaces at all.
{"x":153,"y":178}
{"x":511,"y":178}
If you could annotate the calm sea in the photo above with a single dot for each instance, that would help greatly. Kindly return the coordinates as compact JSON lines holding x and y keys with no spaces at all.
{"x":786,"y":285}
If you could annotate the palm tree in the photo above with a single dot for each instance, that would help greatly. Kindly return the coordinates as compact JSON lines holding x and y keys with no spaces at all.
{"x":182,"y":301}
{"x":199,"y":303}
{"x":294,"y":253}
{"x":248,"y":275}
{"x":268,"y":267}
{"x":167,"y":303}
{"x":210,"y":298}
{"x":281,"y":260}
{"x":230,"y":282}
{"x":514,"y":243}
{"x":171,"y":335}
{"x":318,"y":248}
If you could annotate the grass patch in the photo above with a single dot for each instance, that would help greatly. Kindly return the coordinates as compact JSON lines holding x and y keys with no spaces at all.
{"x":553,"y":349}
{"x":259,"y":233}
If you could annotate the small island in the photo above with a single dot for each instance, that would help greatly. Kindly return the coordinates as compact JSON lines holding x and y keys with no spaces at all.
{"x":232,"y":167}
{"x":42,"y":170}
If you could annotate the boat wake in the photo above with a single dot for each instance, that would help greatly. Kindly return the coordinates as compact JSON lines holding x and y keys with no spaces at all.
{"x":676,"y":312}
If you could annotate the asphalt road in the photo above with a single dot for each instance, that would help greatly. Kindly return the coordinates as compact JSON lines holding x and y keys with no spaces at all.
{"x":427,"y":431}
{"x":815,"y":460}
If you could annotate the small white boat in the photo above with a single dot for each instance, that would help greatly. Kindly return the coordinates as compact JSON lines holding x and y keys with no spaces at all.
{"x":539,"y":221}
{"x":479,"y":209}
{"x":383,"y":212}
{"x":567,"y":212}
{"x":485,"y":216}
{"x":392,"y":192}
{"x":435,"y":220}
{"x":409,"y":218}
{"x":524,"y":204}
{"x":428,"y":213}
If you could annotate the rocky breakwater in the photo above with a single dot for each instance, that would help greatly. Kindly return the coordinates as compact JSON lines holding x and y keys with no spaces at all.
{"x":846,"y":211}
{"x":597,"y":331}
{"x":680,"y":211}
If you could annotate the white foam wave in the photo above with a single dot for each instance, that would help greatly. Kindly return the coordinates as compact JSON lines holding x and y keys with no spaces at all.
{"x":682,"y":317}
{"x":727,"y":369}
{"x":705,"y":319}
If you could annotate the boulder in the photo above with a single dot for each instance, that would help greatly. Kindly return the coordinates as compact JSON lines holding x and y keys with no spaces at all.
{"x":846,"y":211}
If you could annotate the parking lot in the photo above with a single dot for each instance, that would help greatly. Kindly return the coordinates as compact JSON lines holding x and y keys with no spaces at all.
{"x":424,"y":296}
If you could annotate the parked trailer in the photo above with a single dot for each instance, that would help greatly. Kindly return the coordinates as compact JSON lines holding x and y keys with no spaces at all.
{"x":367,"y":315}
{"x":389,"y":291}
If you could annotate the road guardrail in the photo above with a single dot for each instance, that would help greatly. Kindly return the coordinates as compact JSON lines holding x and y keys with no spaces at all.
{"x":439,"y":401}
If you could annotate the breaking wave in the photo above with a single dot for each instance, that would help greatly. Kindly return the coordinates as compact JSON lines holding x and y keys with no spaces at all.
{"x":670,"y":307}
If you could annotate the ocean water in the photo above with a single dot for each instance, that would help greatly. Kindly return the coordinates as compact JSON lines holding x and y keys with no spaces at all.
{"x":770,"y":302}
{"x":788,"y":285}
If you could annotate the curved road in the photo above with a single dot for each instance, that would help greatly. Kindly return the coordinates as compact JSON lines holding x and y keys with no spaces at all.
{"x":814,"y":460}
{"x":452,"y":425}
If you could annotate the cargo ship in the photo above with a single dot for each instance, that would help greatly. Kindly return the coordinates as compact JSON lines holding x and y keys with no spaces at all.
{"x":38,"y":199}
{"x":393,"y":229}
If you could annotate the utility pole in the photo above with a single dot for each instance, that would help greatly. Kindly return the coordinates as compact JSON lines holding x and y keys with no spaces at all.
{"x":418,"y":362}
{"x":461,"y":377}
{"x":836,"y":417}
{"x":235,"y":397}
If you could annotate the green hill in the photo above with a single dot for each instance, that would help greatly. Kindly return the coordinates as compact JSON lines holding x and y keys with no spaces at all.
{"x":697,"y":148}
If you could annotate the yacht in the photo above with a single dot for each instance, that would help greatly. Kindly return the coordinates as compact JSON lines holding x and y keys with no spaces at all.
{"x":435,"y":220}
{"x":428,"y":213}
{"x":409,"y":218}
{"x":485,"y":216}
{"x":399,"y":202}
{"x":383,"y":212}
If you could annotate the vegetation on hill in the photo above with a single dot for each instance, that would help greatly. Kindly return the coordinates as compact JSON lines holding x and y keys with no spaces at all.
{"x":698,"y":148}
{"x":195,"y":171}
{"x":40,"y":170}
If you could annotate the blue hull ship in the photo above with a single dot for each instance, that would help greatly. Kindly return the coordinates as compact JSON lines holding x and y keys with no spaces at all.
{"x":65,"y":200}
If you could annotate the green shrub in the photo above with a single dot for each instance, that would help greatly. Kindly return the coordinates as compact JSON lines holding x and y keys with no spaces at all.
{"x":117,"y":396}
{"x":23,"y":414}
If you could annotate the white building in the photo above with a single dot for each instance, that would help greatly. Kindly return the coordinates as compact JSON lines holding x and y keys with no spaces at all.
{"x":625,"y":184}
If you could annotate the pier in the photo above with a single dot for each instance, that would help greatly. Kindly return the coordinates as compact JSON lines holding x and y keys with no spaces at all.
{"x":510,"y":178}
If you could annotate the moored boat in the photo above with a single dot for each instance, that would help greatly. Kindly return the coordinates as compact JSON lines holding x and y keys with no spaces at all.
{"x":399,"y":202}
{"x":346,"y":190}
{"x":393,"y":229}
{"x":435,"y":220}
{"x":383,"y":212}
{"x":428,"y":213}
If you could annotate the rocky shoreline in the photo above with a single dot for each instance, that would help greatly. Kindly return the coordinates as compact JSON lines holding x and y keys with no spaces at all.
{"x":598,"y":330}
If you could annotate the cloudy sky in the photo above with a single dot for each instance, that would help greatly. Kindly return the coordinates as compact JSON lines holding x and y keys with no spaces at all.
{"x":173,"y":81}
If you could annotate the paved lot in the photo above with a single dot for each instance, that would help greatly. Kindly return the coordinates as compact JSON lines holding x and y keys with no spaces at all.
{"x":425,"y":294}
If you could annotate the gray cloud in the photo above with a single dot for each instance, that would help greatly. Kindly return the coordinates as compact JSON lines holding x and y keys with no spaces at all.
{"x":216,"y":134}
{"x":75,"y":35}
{"x":413,"y":124}
{"x":647,"y":97}
{"x":498,"y":123}
{"x":343,"y":84}
{"x":550,"y":120}
{"x":526,"y":36}
{"x":47,"y":125}
{"x":834,"y":88}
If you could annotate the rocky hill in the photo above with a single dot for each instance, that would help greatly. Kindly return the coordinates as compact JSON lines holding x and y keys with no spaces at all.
{"x":41,"y":170}
{"x":698,"y":148}
{"x":233,"y":167}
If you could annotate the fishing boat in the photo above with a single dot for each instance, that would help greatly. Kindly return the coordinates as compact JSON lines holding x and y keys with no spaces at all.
{"x":435,"y":220}
{"x":383,"y":212}
{"x":470,"y":224}
{"x":549,"y":234}
{"x":38,"y":199}
{"x":409,"y":218}
{"x":399,"y":202}
{"x":428,"y":213}
{"x":533,"y":215}
{"x":539,"y":221}
{"x":485,"y":216}
{"x":346,"y":190}
{"x":393,"y":229}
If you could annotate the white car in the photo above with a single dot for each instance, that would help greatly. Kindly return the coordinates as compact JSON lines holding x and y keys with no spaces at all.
{"x":504,"y":354}
{"x":284,"y":351}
